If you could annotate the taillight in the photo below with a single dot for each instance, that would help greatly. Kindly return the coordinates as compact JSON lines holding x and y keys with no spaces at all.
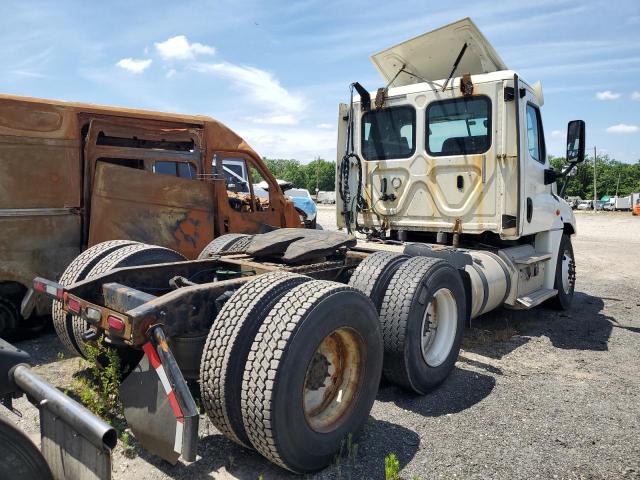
{"x":116,"y":323}
{"x":48,"y":289}
{"x":73,"y":305}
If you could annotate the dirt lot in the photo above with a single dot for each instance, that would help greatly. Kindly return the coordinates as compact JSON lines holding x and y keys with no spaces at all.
{"x":536,"y":394}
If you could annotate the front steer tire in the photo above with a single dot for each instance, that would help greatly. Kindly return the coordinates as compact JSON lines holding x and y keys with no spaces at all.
{"x":423,"y":290}
{"x":565,"y":292}
{"x":227,"y":347}
{"x":297,"y":408}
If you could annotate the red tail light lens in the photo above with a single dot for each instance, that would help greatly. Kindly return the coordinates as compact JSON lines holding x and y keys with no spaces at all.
{"x":73,"y":305}
{"x":115,"y":323}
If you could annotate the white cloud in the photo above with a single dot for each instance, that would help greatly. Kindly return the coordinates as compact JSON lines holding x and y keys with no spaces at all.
{"x":623,"y":128}
{"x":635,"y":96}
{"x":133,"y":65}
{"x":171,"y":73}
{"x":179,"y":48}
{"x":607,"y":95}
{"x":324,"y":125}
{"x":286,"y":119}
{"x":262,"y":87}
{"x":556,"y":133}
{"x":303,"y":144}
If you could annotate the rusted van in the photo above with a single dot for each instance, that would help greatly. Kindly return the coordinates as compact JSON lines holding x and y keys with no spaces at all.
{"x":73,"y":175}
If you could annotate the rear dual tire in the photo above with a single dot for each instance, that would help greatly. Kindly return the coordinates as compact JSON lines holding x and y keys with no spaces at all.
{"x":312,"y":374}
{"x":423,"y":316}
{"x":126,"y":256}
{"x":78,"y":270}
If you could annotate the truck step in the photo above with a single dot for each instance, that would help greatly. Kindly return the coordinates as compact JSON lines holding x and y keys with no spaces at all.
{"x":530,"y":260}
{"x":536,"y":297}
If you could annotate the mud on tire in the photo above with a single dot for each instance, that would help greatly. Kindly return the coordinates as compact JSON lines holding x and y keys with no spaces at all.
{"x":231,"y":242}
{"x":297,"y":407}
{"x":227,"y":347}
{"x":128,"y":256}
{"x":76,"y":271}
{"x":423,"y":316}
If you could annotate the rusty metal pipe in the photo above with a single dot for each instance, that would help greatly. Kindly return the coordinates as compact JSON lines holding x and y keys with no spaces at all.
{"x":42,"y":394}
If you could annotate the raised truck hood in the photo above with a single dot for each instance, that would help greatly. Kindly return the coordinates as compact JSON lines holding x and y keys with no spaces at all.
{"x":431,"y":55}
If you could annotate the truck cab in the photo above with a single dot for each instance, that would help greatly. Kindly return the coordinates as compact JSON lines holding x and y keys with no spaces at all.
{"x":451,"y":150}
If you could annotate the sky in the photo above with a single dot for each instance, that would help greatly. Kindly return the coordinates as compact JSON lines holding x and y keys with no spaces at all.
{"x":275,"y":71}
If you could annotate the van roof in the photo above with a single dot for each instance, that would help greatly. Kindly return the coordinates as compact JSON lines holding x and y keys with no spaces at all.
{"x":110,"y":110}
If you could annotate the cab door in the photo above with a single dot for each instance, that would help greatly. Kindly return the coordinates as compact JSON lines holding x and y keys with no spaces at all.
{"x":144,"y":182}
{"x":538,"y":205}
{"x":243,"y":205}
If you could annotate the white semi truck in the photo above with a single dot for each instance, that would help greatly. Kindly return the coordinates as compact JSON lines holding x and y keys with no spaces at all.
{"x":451,"y":210}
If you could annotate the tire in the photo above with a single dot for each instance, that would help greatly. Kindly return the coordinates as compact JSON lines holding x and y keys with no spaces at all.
{"x":128,"y":256}
{"x":374,"y":273}
{"x":421,"y":289}
{"x":231,"y":242}
{"x":20,"y":457}
{"x":9,"y":315}
{"x":228,"y":344}
{"x":76,"y":271}
{"x":565,"y":295}
{"x":287,"y":370}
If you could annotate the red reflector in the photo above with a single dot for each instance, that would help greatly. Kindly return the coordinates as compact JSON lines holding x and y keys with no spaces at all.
{"x":115,"y":323}
{"x":39,"y":286}
{"x":73,"y":305}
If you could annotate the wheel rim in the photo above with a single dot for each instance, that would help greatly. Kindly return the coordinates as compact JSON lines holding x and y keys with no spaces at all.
{"x":333,"y":378}
{"x":568,"y":272}
{"x":439,"y":325}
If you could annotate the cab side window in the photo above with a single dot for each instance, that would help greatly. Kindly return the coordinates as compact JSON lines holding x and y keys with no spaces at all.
{"x":535,"y":137}
{"x":177,"y":169}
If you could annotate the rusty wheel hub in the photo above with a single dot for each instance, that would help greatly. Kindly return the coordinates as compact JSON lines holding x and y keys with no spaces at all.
{"x":333,"y":378}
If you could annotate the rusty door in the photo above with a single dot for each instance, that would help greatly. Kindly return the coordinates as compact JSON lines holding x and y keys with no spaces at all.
{"x":144,"y":185}
{"x":243,"y":207}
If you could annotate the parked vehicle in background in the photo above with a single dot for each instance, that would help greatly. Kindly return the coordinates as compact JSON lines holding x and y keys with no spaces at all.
{"x":621,"y":203}
{"x":303,"y":202}
{"x":73,"y":175}
{"x":573,"y":202}
{"x":588,"y":205}
{"x":326,"y":198}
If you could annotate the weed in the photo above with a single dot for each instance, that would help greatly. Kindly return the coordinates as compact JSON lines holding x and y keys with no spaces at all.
{"x":128,"y":449}
{"x":391,"y":467}
{"x":60,"y":355}
{"x":98,"y":390}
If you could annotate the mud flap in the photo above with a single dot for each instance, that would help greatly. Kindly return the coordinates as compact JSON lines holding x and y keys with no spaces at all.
{"x":158,"y":405}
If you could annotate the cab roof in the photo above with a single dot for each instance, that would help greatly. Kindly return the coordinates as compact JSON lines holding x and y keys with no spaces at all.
{"x":430,"y":56}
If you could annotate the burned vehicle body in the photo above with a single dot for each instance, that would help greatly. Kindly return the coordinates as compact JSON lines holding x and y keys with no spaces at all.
{"x":73,"y":175}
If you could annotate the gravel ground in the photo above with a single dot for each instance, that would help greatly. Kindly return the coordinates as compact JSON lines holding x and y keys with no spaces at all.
{"x":536,"y":394}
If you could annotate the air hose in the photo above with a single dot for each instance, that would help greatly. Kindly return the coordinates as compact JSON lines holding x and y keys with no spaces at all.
{"x":351,"y":204}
